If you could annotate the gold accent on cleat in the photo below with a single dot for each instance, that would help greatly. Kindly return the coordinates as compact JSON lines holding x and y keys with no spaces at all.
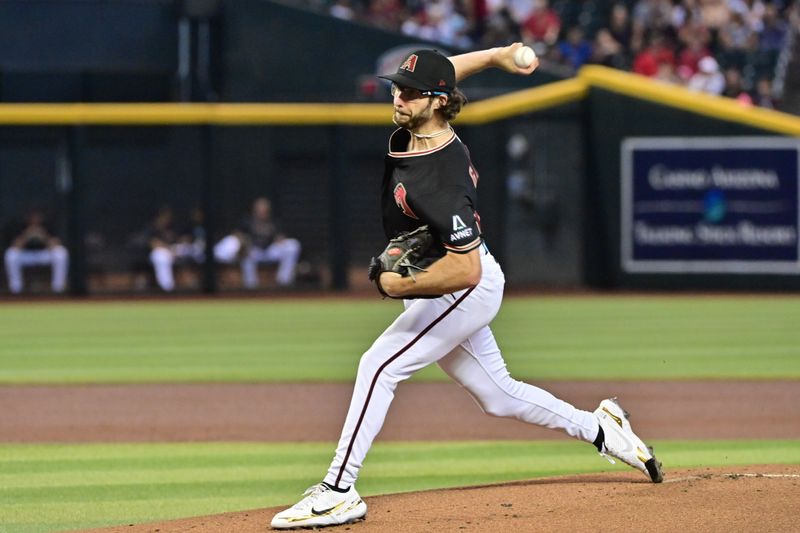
{"x":617,"y":419}
{"x":641,"y":455}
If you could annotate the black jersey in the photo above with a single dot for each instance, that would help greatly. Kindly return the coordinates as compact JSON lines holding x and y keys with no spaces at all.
{"x":435,"y":187}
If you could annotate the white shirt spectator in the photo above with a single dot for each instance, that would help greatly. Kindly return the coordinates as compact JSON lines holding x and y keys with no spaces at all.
{"x":708,"y":78}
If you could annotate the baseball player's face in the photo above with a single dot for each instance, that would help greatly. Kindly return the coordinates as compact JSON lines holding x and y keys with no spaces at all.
{"x":411,"y":113}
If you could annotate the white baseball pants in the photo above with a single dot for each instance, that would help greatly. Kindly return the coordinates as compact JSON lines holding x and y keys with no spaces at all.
{"x":56,"y":257}
{"x":285,"y":252}
{"x":452,"y":331}
{"x":163,"y":260}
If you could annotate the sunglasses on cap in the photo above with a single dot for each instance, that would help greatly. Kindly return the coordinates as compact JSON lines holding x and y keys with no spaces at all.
{"x":409,"y":93}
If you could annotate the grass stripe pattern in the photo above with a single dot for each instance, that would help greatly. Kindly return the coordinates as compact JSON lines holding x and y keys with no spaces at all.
{"x":652,"y":338}
{"x":58,"y":487}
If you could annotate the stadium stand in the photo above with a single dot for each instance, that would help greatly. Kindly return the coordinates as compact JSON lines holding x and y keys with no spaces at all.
{"x":746,"y":38}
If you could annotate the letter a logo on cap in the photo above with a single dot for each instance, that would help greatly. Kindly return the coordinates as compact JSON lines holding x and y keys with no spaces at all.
{"x":409,"y":64}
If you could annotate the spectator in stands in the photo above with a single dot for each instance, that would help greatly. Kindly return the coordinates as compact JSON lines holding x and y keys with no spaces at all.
{"x":542,"y":26}
{"x":736,"y":37}
{"x":575,"y":50}
{"x":714,"y":14}
{"x":752,"y":12}
{"x":667,"y":73}
{"x":657,"y":52}
{"x":417,"y":25}
{"x":690,"y":56}
{"x":794,"y":15}
{"x":763,"y":94}
{"x":774,"y":30}
{"x":619,"y":25}
{"x":501,"y":29}
{"x":455,"y":26}
{"x":33,"y":243}
{"x":607,"y":51}
{"x":734,"y":87}
{"x":746,"y":34}
{"x":653,"y":14}
{"x":520,"y":10}
{"x":259,"y":239}
{"x":386,"y":14}
{"x":708,"y":78}
{"x":447,"y":24}
{"x":477,"y":13}
{"x":694,"y":30}
{"x":681,"y":13}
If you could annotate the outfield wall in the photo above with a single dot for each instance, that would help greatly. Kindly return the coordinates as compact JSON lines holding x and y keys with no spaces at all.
{"x":549,"y":152}
{"x":623,"y":107}
{"x":106,"y":181}
{"x":549,"y":158}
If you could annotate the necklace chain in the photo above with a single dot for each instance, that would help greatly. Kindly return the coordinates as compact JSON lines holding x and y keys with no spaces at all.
{"x":431,"y":135}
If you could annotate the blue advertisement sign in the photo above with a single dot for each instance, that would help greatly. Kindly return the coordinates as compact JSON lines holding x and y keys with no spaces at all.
{"x":711,"y":205}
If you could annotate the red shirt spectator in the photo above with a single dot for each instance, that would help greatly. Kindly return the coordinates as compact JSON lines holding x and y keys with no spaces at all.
{"x":645,"y":64}
{"x":543,"y":25}
{"x":649,"y":59}
{"x":690,"y":57}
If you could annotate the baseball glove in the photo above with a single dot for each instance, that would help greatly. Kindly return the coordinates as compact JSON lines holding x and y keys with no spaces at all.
{"x":402,"y":255}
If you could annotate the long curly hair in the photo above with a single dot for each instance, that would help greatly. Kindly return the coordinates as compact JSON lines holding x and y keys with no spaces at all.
{"x":455,"y":102}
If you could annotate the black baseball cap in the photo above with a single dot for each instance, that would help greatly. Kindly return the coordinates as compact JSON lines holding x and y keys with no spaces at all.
{"x":426,"y":70}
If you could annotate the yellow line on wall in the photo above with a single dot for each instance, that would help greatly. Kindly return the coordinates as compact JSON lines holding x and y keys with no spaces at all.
{"x":716,"y":107}
{"x":193,"y":114}
{"x":319,"y":114}
{"x":525,"y":101}
{"x":277,"y":114}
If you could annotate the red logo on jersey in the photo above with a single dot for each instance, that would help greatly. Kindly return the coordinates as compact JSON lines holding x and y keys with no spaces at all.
{"x":400,"y":195}
{"x":410,"y":63}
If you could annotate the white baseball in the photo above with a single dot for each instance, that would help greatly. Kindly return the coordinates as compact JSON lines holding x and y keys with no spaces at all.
{"x":524,"y":56}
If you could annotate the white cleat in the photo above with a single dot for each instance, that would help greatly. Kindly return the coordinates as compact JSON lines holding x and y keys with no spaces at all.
{"x":322,"y":507}
{"x":621,"y":442}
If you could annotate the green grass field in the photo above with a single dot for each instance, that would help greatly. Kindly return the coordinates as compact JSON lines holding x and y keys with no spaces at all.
{"x":291,"y":340}
{"x":56,"y":487}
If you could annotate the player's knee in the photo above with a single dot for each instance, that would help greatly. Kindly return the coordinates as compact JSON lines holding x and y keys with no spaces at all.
{"x":226,"y":250}
{"x":496,"y":408}
{"x":373,"y":363}
{"x":59,"y":254}
{"x":161,"y":256}
{"x":12,"y":255}
{"x":369,"y":362}
{"x":498,"y":403}
{"x":292,"y":247}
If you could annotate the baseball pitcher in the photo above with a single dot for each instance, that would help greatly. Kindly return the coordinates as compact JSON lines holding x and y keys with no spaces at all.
{"x":438,"y":263}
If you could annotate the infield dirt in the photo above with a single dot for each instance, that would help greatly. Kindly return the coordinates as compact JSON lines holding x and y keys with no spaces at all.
{"x":757,"y":498}
{"x":421,"y":411}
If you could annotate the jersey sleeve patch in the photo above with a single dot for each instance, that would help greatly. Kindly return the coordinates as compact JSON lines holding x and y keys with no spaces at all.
{"x":462,"y":232}
{"x":464,"y":248}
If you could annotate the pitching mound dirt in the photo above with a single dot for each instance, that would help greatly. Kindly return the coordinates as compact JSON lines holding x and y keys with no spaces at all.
{"x":754,"y":498}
